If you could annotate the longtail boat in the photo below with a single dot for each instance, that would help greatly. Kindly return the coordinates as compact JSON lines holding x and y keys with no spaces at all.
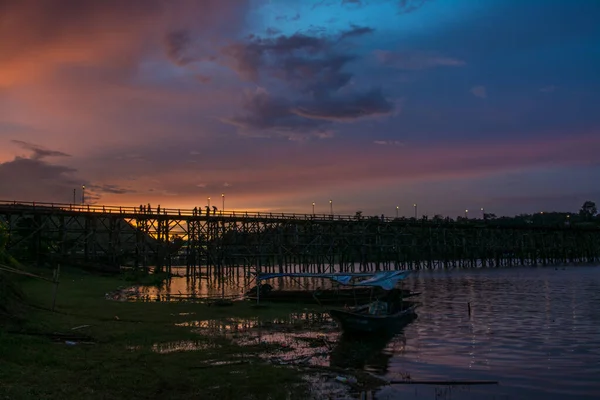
{"x":389,"y":310}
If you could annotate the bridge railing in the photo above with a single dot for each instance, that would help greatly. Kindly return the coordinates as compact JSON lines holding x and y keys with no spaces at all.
{"x":149,"y":211}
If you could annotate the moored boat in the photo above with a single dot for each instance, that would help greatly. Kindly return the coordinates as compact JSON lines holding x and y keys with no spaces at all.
{"x":367,"y":320}
{"x":390,"y":310}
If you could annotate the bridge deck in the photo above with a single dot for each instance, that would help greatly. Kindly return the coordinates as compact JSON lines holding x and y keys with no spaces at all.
{"x":130,"y":211}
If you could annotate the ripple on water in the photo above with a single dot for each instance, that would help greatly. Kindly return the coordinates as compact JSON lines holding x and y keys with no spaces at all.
{"x":184,"y":345}
{"x":535,"y":330}
{"x":526,"y":330}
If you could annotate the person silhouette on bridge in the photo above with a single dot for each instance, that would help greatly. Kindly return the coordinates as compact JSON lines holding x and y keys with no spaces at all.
{"x":195,"y":212}
{"x":158,"y":209}
{"x":149,"y":208}
{"x":207,"y":211}
{"x":214,"y":210}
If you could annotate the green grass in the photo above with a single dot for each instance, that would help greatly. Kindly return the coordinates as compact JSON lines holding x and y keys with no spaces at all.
{"x":34,"y":367}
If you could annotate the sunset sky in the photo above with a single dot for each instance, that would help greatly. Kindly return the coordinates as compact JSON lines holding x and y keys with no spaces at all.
{"x":451,"y":104}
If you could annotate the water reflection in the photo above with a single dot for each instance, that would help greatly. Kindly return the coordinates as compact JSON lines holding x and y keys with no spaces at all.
{"x":536,"y":330}
{"x":185,"y":345}
{"x":371,"y":353}
{"x":207,"y":286}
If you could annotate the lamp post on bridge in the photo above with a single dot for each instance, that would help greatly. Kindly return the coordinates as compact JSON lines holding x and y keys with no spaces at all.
{"x":482,"y":213}
{"x":415,"y":206}
{"x":331,"y":207}
{"x":74,"y":196}
{"x":208,"y":202}
{"x":223,"y":203}
{"x":82,"y":194}
{"x":313,"y":208}
{"x":397,"y":209}
{"x":467,"y":214}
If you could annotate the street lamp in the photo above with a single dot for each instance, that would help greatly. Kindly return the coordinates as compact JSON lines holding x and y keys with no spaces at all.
{"x":397,"y":208}
{"x":331,"y":206}
{"x":223,"y":203}
{"x":209,"y":202}
{"x":313,"y":208}
{"x":82,"y":194}
{"x":467,"y":214}
{"x":415,"y":206}
{"x":74,"y":195}
{"x":482,"y":213}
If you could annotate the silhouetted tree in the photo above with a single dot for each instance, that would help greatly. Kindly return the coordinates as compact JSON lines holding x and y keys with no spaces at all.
{"x":588,"y":210}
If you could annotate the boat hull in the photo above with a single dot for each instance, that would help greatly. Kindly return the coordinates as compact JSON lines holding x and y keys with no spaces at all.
{"x":356,"y":322}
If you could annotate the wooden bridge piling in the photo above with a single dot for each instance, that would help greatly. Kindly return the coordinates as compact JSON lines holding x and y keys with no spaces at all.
{"x":226,"y":242}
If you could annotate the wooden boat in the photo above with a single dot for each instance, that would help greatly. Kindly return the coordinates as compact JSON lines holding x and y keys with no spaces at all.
{"x":370,"y":319}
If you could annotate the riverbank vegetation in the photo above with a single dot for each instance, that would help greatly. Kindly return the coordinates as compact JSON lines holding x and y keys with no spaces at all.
{"x":94,"y":348}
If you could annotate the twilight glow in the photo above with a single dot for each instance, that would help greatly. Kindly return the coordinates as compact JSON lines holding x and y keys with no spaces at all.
{"x":451,"y":104}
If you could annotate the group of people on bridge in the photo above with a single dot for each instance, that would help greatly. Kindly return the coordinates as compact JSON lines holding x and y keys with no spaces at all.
{"x":197,"y":211}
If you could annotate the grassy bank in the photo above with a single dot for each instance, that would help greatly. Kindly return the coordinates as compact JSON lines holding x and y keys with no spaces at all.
{"x":118,"y":361}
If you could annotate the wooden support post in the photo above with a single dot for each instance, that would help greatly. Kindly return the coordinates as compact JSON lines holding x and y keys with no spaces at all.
{"x":55,"y":288}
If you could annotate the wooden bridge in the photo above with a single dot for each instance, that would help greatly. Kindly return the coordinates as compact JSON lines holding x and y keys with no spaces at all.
{"x":279,"y":242}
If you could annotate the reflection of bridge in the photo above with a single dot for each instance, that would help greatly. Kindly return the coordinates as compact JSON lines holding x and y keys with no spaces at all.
{"x":279,"y":241}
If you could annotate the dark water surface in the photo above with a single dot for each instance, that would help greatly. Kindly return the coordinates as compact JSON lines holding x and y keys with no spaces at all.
{"x":535,"y":330}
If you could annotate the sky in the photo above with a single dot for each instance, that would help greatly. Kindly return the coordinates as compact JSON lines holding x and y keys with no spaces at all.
{"x":276,"y":104}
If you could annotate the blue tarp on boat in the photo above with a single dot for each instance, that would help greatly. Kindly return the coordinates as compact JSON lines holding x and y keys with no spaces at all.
{"x":384,"y":279}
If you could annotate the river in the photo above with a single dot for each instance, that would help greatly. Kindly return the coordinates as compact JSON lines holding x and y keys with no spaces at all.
{"x":534,"y":330}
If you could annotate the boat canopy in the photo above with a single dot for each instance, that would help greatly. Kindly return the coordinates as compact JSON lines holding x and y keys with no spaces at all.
{"x":384,"y":279}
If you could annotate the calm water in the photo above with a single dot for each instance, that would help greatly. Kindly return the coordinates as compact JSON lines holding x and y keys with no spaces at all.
{"x":536,"y":331}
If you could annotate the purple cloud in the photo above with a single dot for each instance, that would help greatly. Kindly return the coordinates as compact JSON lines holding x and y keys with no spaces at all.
{"x":39,"y":152}
{"x":416,"y":60}
{"x":347,"y":108}
{"x":312,"y":68}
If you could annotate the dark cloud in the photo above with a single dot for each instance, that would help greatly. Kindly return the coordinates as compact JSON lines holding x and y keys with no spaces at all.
{"x":347,"y":108}
{"x":408,"y":6}
{"x":177,"y":44}
{"x":313,"y":69}
{"x":39,"y":152}
{"x":317,"y":76}
{"x":416,"y":60}
{"x":32,"y":179}
{"x":285,"y":56}
{"x":404,"y":6}
{"x":272,"y":31}
{"x":112,"y":189}
{"x":356,"y":3}
{"x":264,"y":113}
{"x":356,"y":31}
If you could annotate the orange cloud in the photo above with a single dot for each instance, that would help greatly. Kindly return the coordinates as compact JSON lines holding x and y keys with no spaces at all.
{"x":46,"y":35}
